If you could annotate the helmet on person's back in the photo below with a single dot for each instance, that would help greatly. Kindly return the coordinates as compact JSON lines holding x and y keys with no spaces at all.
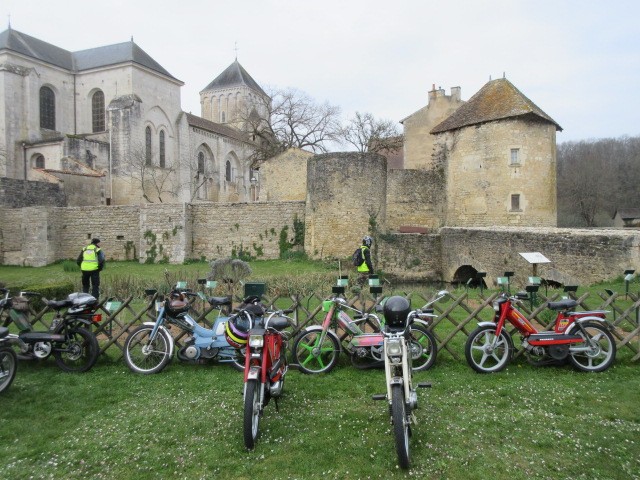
{"x":396,"y":310}
{"x":367,"y":240}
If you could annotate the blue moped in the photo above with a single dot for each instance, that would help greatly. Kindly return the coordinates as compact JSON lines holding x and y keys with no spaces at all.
{"x":149,"y":348}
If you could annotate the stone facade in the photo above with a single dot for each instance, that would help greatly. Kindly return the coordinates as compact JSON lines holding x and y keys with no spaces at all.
{"x":284,"y":177}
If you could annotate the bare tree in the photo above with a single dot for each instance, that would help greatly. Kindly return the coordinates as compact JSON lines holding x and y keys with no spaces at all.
{"x":155,"y":183}
{"x":291,"y":119}
{"x":368,"y":134}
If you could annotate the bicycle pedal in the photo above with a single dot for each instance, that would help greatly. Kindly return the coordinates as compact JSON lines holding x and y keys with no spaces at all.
{"x":379,"y":396}
{"x":424,"y":385}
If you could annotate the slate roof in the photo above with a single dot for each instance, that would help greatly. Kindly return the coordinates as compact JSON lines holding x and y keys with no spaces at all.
{"x":234,"y":75}
{"x":496,"y":100}
{"x":126,"y":52}
{"x":628,"y":213}
{"x":214,"y":127}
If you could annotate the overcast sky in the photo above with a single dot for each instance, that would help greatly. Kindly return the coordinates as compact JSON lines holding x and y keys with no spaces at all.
{"x":578,"y":60}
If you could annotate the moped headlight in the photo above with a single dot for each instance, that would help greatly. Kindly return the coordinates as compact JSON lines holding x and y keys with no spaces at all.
{"x":256,"y":341}
{"x":394,"y":348}
{"x":496,"y":306}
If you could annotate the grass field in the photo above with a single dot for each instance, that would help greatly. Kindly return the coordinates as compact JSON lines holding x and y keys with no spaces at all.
{"x":186,"y":422}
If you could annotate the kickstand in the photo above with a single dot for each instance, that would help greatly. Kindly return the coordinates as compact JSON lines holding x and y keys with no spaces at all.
{"x":276,"y":402}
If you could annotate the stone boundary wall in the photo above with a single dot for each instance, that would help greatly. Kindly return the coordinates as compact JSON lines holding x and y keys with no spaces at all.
{"x":415,"y":198}
{"x":16,"y":193}
{"x":37,"y":236}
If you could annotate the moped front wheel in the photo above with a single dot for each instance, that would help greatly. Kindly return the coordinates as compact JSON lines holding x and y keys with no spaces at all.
{"x":8,"y":367}
{"x":598,"y":352}
{"x":486,"y":352}
{"x":144,"y":355}
{"x":423,"y":348}
{"x":313,"y":354}
{"x":251,"y":413}
{"x":79,"y":352}
{"x":400,"y":425}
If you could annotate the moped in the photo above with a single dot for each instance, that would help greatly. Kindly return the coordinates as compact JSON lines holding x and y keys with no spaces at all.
{"x":149,"y":348}
{"x":401,"y":394}
{"x":317,"y":348}
{"x":8,"y":357}
{"x":69,"y":338}
{"x":265,"y":368}
{"x":582,"y":337}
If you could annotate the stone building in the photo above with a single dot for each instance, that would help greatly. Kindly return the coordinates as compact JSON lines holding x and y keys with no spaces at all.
{"x":117,"y":112}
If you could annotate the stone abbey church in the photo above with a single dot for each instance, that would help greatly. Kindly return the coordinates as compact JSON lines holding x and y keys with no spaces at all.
{"x":104,"y":127}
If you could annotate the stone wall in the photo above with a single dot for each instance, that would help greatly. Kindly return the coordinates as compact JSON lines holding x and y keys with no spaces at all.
{"x":284,"y":177}
{"x":346,"y":200}
{"x":415,"y":198}
{"x":19,"y":193}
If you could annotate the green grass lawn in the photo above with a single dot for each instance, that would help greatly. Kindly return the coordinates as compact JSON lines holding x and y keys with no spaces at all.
{"x":186,"y":422}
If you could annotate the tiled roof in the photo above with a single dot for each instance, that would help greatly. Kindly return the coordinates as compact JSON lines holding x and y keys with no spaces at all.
{"x":125,"y":52}
{"x":214,"y":127}
{"x":234,"y":75}
{"x":628,"y":213}
{"x":497,"y":100}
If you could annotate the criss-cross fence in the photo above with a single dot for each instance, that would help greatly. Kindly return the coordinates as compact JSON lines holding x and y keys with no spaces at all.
{"x":458,"y":315}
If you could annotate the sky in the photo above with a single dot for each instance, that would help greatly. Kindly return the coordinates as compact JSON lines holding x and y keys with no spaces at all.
{"x":578,"y":60}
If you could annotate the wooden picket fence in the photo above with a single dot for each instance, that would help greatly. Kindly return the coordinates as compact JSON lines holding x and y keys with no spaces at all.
{"x":458,"y":314}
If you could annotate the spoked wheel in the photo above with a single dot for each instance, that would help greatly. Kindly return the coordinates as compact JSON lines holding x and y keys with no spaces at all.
{"x":146,"y":356}
{"x":423,"y":348}
{"x":251,"y":413}
{"x":487,"y":353}
{"x":79,"y":352}
{"x":313,"y":355}
{"x":237,"y":362}
{"x":8,"y":367}
{"x":400,"y":425}
{"x":598,"y":351}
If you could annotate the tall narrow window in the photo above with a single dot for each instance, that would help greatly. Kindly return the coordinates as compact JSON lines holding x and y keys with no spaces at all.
{"x":227,"y":172}
{"x":201,"y":162}
{"x":97,"y":112}
{"x":222,"y":117}
{"x":47,"y":108}
{"x":162,"y":155}
{"x":147,"y":146}
{"x":515,"y":156}
{"x":515,"y":202}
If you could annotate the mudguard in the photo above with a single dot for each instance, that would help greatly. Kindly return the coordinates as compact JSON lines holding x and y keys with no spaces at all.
{"x":254,"y":373}
{"x":588,"y":319}
{"x":486,"y":324}
{"x":163,"y":328}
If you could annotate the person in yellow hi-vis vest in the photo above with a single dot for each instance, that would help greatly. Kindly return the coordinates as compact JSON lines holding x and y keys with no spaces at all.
{"x":91,"y":261}
{"x":366,"y":267}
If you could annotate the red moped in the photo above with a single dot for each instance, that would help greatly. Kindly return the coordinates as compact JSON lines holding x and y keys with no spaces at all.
{"x":582,"y":337}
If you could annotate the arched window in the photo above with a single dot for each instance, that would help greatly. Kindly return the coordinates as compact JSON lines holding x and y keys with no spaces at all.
{"x":227,"y":172}
{"x":201,"y":162}
{"x":39,"y":161}
{"x":162,"y":156}
{"x":47,"y":108}
{"x":97,"y":112}
{"x":147,"y":146}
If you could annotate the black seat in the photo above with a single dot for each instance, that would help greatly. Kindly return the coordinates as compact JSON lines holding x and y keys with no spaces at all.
{"x":279,"y":323}
{"x":219,"y":301}
{"x":563,"y":304}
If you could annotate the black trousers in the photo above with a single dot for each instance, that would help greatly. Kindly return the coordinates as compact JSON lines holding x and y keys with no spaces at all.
{"x":92,"y":277}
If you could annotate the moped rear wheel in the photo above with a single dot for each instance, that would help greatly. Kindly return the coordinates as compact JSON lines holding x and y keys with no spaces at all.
{"x":313,"y":356}
{"x":8,"y":367}
{"x":423,"y":348}
{"x":485,"y":353}
{"x":79,"y":352}
{"x":251,"y":413}
{"x":146,"y":356}
{"x":602,"y":348}
{"x":238,"y":360}
{"x":400,"y":425}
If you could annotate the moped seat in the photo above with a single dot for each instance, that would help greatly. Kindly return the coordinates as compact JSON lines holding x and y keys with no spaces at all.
{"x":58,"y":304}
{"x":279,"y":323}
{"x":32,"y":337}
{"x":219,"y":301}
{"x":563,"y":304}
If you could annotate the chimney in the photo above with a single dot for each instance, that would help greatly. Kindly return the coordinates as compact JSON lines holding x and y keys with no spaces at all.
{"x":456,"y":94}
